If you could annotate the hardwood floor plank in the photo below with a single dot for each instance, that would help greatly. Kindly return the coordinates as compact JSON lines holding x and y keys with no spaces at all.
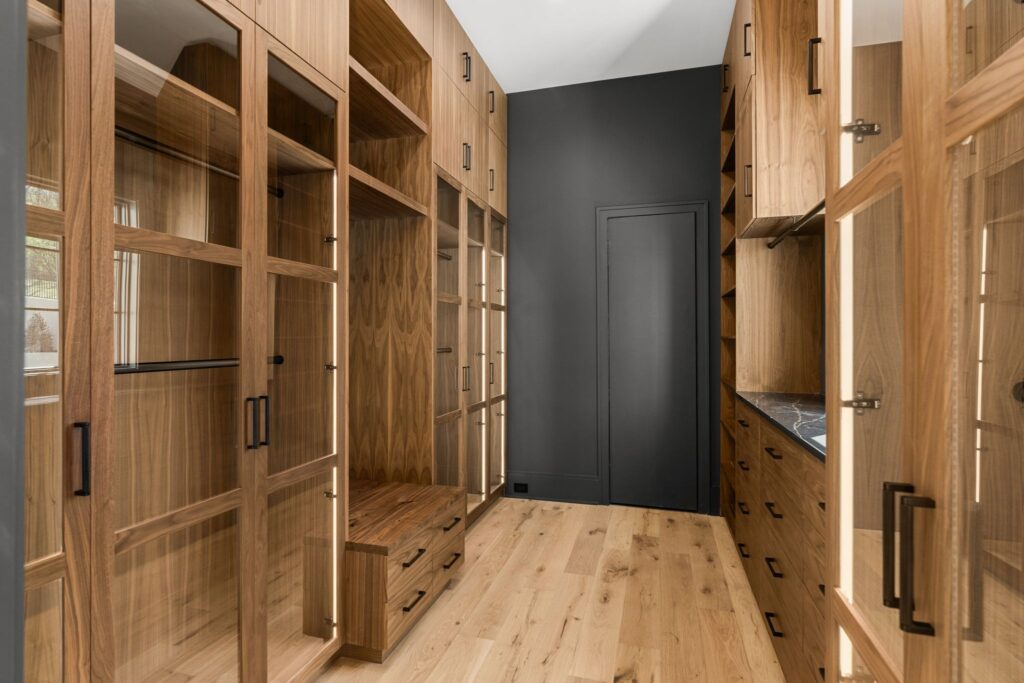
{"x":586,"y":552}
{"x":596,"y":650}
{"x":643,"y":589}
{"x":682,"y":651}
{"x":638,"y":665}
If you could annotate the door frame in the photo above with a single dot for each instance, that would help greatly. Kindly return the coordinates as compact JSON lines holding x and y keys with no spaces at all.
{"x":704,"y":460}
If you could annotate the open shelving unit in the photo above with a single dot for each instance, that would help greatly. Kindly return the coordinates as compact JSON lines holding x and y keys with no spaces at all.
{"x":727,"y":440}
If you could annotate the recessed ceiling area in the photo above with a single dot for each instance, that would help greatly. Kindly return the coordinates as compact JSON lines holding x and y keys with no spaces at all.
{"x":533,"y":44}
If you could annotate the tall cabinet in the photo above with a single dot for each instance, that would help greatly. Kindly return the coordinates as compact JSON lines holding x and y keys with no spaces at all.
{"x":925,"y":396}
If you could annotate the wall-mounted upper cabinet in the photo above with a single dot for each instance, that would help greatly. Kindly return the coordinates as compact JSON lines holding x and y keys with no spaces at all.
{"x":741,"y":46}
{"x":316,"y":30}
{"x":418,"y":17}
{"x":497,"y":174}
{"x":497,"y":108}
{"x":458,"y":57}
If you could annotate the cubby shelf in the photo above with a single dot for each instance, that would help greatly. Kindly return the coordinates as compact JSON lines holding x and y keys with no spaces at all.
{"x":729,"y":111}
{"x":163,"y":108}
{"x":371,"y":198}
{"x":730,"y":246}
{"x":729,"y":293}
{"x":729,"y":200}
{"x":447,"y":235}
{"x":729,"y":153}
{"x":290,"y":157}
{"x":43,"y":21}
{"x":375,"y":112}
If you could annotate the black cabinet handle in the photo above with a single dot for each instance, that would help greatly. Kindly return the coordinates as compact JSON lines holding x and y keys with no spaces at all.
{"x":907,"y":623}
{"x":821,"y":588}
{"x":265,"y":400}
{"x":747,"y":192}
{"x":412,"y":605}
{"x":743,"y":508}
{"x":771,"y":509}
{"x":467,"y":156}
{"x":86,"y":429}
{"x":743,"y":423}
{"x":492,"y":179}
{"x":491,"y":100}
{"x":821,"y":672}
{"x":746,"y":39}
{"x":770,"y":561}
{"x":492,"y":372}
{"x":451,"y":526}
{"x":743,"y":465}
{"x":770,"y":618}
{"x":812,"y":66}
{"x":254,"y":416}
{"x":889,"y":491}
{"x":467,"y":67}
{"x":725,"y":78}
{"x":415,"y":558}
{"x":742,"y":547}
{"x":821,"y":504}
{"x":451,"y":563}
{"x":465,"y":378}
{"x":772,"y":452}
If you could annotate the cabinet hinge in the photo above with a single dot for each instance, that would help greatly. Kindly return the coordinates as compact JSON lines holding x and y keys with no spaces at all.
{"x":330,"y":239}
{"x":860,"y":129}
{"x":862,"y":403}
{"x":329,"y":367}
{"x":330,"y":495}
{"x":330,"y":622}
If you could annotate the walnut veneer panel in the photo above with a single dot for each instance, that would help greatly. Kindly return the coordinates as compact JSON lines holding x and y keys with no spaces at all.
{"x":382,"y":516}
{"x":316,"y":30}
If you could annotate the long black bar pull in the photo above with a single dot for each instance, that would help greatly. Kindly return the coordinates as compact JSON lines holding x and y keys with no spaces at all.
{"x":889,"y":491}
{"x":265,"y":400}
{"x":907,"y":623}
{"x":86,"y":429}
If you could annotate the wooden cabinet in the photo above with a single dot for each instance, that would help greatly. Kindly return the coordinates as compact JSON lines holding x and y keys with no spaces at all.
{"x":418,"y":17}
{"x":740,"y":50}
{"x":497,"y":109}
{"x":497,"y":174}
{"x":460,"y":137}
{"x":746,"y":188}
{"x":779,"y":520}
{"x":405,"y":542}
{"x":474,"y":174}
{"x":458,"y":57}
{"x":316,"y":30}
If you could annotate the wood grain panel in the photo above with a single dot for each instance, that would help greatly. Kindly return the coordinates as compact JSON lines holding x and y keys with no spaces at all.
{"x":497,"y":109}
{"x":316,"y":30}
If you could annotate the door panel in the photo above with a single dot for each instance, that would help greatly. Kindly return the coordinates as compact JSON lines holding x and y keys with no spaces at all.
{"x":652,"y":360}
{"x":745,"y":169}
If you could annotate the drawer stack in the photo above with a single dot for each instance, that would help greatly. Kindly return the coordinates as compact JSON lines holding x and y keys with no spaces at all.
{"x":780,"y":534}
{"x":405,"y":543}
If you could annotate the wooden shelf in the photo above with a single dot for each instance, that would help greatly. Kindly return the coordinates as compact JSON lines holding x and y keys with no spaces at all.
{"x":447,"y":235}
{"x":291,"y":158}
{"x":376,"y":33}
{"x":729,"y":155}
{"x":371,"y":198}
{"x":446,"y":298}
{"x":729,"y":293}
{"x":43,"y":222}
{"x":156,"y":105}
{"x":729,"y":111}
{"x":726,"y":337}
{"x":375,"y":112}
{"x":729,"y":201}
{"x":43,"y":21}
{"x":730,"y":247}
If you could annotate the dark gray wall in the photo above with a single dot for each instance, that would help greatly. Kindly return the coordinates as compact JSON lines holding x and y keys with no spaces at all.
{"x":12,"y":332}
{"x":642,"y":140}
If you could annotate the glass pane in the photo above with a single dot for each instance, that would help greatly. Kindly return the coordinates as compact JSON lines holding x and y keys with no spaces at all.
{"x":478,"y":370}
{"x":176,"y":383}
{"x":45,"y":122}
{"x":302,"y":384}
{"x":300,"y":574}
{"x":177,"y":121}
{"x":447,"y":471}
{"x":44,"y":633}
{"x":44,"y":442}
{"x":496,"y":452}
{"x":447,"y":259}
{"x":176,"y":605}
{"x":852,"y":667}
{"x":477,"y":258}
{"x":446,"y":361}
{"x":476,"y":453}
{"x":301,"y":150}
{"x":871,"y":48}
{"x":989,"y":215}
{"x":871,"y":330}
{"x":985,"y":30}
{"x":496,"y":360}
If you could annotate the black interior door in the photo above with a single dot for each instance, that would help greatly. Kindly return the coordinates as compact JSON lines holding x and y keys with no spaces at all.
{"x":653,"y":361}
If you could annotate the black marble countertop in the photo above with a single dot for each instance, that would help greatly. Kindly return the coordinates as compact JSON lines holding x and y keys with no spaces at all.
{"x":801,"y":416}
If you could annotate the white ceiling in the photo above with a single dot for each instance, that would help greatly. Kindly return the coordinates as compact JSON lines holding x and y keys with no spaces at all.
{"x":532,"y":44}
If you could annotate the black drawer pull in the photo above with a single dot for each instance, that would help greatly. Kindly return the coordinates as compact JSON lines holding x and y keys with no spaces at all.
{"x":743,"y":423}
{"x":770,"y":561}
{"x":451,"y":563}
{"x":86,"y":429}
{"x":743,"y":508}
{"x":889,"y":491}
{"x":451,"y":526}
{"x":907,"y":621}
{"x":771,"y":510}
{"x":770,"y":618}
{"x":821,"y":504}
{"x":415,"y":559}
{"x":821,"y":588}
{"x":772,"y":452}
{"x":743,"y":465}
{"x":743,"y":550}
{"x":746,"y":40}
{"x":412,"y":605}
{"x":821,"y":672}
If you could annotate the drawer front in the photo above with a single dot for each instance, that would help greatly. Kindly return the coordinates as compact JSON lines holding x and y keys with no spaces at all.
{"x":814,"y":509}
{"x":814,"y":639}
{"x":814,"y":574}
{"x":407,"y":605}
{"x":449,"y":560}
{"x":781,"y":456}
{"x":748,"y":425}
{"x":451,"y":522}
{"x":409,"y":559}
{"x":782,"y":520}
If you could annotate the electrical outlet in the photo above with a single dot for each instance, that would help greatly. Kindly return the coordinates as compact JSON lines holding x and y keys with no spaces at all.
{"x":520,"y":488}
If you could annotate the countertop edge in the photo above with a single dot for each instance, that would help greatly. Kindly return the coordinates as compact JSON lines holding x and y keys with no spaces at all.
{"x":809,"y":446}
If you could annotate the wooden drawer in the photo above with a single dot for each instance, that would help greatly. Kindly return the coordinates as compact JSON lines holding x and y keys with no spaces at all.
{"x":748,"y":423}
{"x":814,"y":496}
{"x":406,"y":562}
{"x":813,"y":575}
{"x":782,"y":457}
{"x":782,"y":520}
{"x":448,"y":561}
{"x":452,"y":521}
{"x":406,"y":605}
{"x":814,"y":639}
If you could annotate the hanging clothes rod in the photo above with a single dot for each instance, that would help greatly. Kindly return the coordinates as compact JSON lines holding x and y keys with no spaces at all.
{"x":176,"y":365}
{"x":798,"y":225}
{"x":442,"y":255}
{"x":160,"y":148}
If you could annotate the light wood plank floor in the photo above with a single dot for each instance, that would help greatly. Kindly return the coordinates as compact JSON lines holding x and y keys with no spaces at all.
{"x":587,"y":594}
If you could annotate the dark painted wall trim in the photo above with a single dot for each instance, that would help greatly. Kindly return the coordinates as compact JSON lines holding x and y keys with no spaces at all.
{"x":12,"y":334}
{"x":642,"y":140}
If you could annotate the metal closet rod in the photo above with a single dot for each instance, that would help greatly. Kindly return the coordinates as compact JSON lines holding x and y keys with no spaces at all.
{"x":160,"y":148}
{"x":800,"y":223}
{"x":175,"y":365}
